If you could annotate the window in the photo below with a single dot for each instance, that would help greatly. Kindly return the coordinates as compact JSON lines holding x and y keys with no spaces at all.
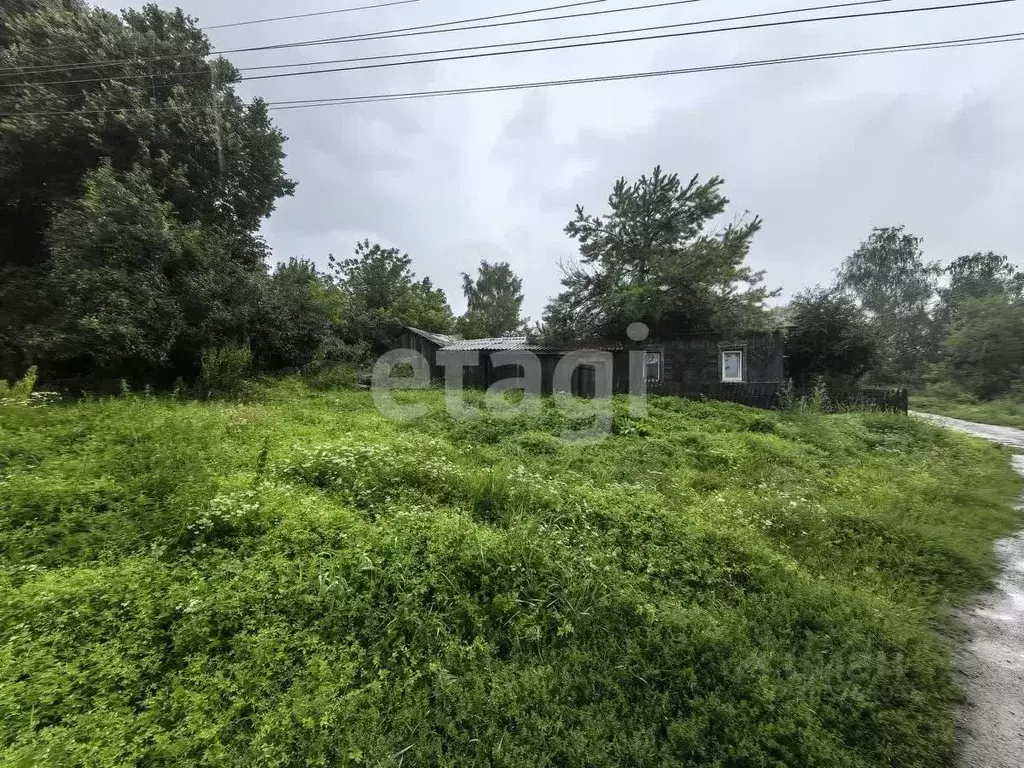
{"x":732,"y":366}
{"x":652,"y":368}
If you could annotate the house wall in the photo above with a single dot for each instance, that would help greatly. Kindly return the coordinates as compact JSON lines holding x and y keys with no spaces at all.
{"x":694,"y":363}
{"x":486,"y":374}
{"x":691,"y":365}
{"x":415,"y":342}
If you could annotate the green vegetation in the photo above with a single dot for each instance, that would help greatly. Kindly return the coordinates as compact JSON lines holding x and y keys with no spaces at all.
{"x":298,"y":581}
{"x":1005,"y":411}
{"x":659,"y":256}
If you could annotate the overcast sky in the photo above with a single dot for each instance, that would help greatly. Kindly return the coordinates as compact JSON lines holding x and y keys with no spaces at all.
{"x":822,"y":151}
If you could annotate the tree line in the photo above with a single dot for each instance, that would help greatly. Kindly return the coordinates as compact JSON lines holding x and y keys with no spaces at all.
{"x":899,"y":319}
{"x":130,"y":211}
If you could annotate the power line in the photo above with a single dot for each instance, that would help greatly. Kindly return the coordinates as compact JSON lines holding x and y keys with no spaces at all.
{"x":53,"y":48}
{"x":385,"y":97}
{"x":380,"y":98}
{"x":432,"y":29}
{"x":461,"y":55}
{"x":387,"y":34}
{"x":334,"y":12}
{"x":644,"y":38}
{"x":205,"y":72}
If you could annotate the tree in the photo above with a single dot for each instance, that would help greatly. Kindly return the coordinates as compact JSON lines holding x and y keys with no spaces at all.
{"x":976,"y":276}
{"x":133,"y":292}
{"x":302,"y":312}
{"x":12,"y":8}
{"x":111,"y":253}
{"x":170,"y":112}
{"x":830,"y":337}
{"x":652,"y":258}
{"x":984,"y":353}
{"x":495,"y":302}
{"x":890,"y":280}
{"x":380,"y":295}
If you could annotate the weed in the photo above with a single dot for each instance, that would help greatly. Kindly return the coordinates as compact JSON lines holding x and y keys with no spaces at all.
{"x":299,"y":581}
{"x":225,"y":371}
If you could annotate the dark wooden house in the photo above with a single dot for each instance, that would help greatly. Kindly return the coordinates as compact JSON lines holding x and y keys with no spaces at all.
{"x":748,"y":368}
{"x":426,"y":344}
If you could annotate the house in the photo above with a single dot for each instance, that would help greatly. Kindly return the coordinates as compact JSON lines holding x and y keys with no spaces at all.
{"x":749,"y":368}
{"x":426,"y":344}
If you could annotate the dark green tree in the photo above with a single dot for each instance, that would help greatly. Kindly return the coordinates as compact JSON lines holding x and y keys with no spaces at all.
{"x":149,"y":99}
{"x":976,"y":276}
{"x":134,"y":293}
{"x":300,"y":318}
{"x":494,"y":302}
{"x":11,"y":8}
{"x":829,"y":337}
{"x":892,"y":282}
{"x":380,"y":295}
{"x":110,"y":254}
{"x":984,"y":352}
{"x":655,"y":258}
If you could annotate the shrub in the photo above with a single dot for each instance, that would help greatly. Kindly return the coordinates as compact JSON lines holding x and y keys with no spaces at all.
{"x":226,"y":371}
{"x":331,"y":377}
{"x":20,"y":391}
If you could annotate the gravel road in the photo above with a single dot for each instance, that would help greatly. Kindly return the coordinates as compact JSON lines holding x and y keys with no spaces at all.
{"x":991,"y":726}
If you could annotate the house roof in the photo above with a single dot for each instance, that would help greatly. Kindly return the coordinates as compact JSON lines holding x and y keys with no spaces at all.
{"x":501,"y":344}
{"x":522,"y":344}
{"x":441,"y":339}
{"x":517,"y":344}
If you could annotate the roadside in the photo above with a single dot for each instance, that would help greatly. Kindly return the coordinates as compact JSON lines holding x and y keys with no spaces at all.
{"x":1009,"y":436}
{"x":991,"y":725}
{"x":1005,"y":412}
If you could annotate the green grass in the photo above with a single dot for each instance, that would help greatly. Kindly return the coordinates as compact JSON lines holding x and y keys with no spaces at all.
{"x":1006,"y":412}
{"x":301,"y":582}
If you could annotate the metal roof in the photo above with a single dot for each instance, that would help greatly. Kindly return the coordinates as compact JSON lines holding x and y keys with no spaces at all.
{"x":441,"y":339}
{"x":510,"y":344}
{"x":501,"y":344}
{"x":522,"y":344}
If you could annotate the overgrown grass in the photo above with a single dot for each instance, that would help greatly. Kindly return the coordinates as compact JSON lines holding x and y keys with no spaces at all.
{"x":301,"y":582}
{"x":1006,"y":412}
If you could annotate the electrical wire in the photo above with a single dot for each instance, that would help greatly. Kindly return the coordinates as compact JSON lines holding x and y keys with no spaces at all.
{"x":1010,"y":37}
{"x":54,"y":48}
{"x":314,"y":14}
{"x":381,"y":98}
{"x":463,"y":49}
{"x":388,"y":34}
{"x":593,"y":43}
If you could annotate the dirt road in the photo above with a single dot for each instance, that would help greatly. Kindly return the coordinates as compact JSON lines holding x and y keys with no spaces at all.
{"x":992,"y":724}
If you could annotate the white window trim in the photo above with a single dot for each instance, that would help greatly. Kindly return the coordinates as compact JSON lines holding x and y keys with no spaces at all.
{"x":743,"y":366}
{"x":661,"y":365}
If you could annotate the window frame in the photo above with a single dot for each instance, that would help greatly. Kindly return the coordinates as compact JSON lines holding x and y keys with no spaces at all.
{"x":656,"y":353}
{"x":743,"y":366}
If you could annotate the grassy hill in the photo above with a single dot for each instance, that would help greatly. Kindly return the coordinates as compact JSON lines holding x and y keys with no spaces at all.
{"x":299,"y":581}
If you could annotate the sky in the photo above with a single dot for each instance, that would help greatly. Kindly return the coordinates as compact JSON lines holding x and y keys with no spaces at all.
{"x":822,"y":151}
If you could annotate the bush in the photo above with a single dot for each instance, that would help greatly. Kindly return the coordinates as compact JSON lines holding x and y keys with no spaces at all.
{"x":331,"y":377}
{"x":830,"y":338}
{"x":20,"y":391}
{"x":226,"y":371}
